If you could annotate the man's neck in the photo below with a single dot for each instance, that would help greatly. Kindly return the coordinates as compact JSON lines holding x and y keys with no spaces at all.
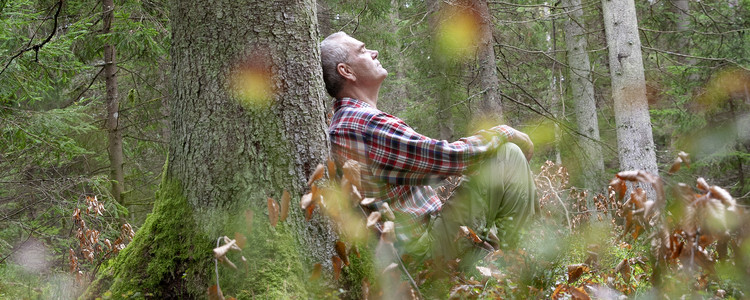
{"x":368,"y":96}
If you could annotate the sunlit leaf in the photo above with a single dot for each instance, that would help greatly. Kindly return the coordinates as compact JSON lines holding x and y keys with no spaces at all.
{"x":305,"y":201}
{"x":317,"y":174}
{"x":386,"y":209}
{"x":352,"y":173}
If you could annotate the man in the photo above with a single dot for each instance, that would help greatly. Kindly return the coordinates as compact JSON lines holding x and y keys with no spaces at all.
{"x":398,"y":165}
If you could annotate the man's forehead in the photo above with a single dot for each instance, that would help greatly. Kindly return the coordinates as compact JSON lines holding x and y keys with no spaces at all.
{"x":350,"y":41}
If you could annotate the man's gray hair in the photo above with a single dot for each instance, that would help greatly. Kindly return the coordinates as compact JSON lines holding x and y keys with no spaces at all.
{"x":332,"y":53}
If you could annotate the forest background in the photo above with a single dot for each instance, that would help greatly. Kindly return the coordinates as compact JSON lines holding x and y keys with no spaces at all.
{"x":85,"y":128}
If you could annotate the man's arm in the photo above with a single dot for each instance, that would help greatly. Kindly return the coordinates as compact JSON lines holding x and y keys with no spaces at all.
{"x":404,"y":157}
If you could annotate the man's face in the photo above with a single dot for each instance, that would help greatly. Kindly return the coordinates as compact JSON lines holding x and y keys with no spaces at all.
{"x":363,"y":63}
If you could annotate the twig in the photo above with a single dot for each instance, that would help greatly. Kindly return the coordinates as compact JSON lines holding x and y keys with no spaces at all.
{"x":41,"y":44}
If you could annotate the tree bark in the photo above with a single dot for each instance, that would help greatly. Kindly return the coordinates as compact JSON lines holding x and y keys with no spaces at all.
{"x":491,"y":107}
{"x":582,"y":90}
{"x":635,"y":141}
{"x":231,"y":148}
{"x":114,"y":135}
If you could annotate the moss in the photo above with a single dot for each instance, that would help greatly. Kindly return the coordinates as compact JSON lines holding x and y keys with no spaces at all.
{"x":171,"y":257}
{"x":360,"y":269}
{"x":168,"y":257}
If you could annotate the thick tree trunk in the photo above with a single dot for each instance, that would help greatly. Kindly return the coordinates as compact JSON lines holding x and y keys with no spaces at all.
{"x":582,"y":90}
{"x":635,"y":141}
{"x":491,"y":107}
{"x":114,"y":135}
{"x":247,"y":124}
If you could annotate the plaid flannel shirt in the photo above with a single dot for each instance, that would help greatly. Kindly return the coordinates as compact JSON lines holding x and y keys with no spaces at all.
{"x":397,"y":164}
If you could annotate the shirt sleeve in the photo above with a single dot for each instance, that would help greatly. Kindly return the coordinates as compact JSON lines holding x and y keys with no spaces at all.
{"x":402,"y":156}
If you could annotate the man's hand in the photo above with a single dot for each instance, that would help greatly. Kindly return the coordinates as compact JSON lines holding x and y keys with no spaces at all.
{"x":524,"y":142}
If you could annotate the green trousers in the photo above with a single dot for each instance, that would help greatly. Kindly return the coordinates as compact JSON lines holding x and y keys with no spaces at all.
{"x":495,"y":201}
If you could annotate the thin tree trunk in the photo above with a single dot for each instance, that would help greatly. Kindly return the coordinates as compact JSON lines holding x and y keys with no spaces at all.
{"x":247,"y":111}
{"x":442,"y":95}
{"x":635,"y":140}
{"x":491,"y":107}
{"x":582,"y":90}
{"x":114,"y":135}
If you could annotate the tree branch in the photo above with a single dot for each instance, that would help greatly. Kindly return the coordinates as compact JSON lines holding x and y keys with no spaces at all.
{"x":41,"y":44}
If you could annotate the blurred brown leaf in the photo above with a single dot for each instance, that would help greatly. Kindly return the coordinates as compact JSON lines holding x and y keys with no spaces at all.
{"x":214,"y":293}
{"x":624,"y":269}
{"x":341,"y":251}
{"x":575,"y":271}
{"x":273,"y":211}
{"x":337,"y":264}
{"x":316,"y":272}
{"x":331,"y":168}
{"x":241,"y":239}
{"x":249,"y":219}
{"x":286,"y":198}
{"x":317,"y":174}
{"x":470,"y":234}
{"x":676,"y":164}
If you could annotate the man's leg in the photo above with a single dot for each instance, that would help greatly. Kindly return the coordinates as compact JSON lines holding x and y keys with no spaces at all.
{"x":501,"y":195}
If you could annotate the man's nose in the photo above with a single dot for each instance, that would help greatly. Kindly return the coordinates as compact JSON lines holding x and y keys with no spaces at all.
{"x":374,"y":54}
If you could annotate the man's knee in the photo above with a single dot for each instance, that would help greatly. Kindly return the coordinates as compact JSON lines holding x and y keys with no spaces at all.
{"x":510,"y":152}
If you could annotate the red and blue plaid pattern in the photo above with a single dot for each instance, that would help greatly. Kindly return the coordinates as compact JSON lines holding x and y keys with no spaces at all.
{"x":397,"y":164}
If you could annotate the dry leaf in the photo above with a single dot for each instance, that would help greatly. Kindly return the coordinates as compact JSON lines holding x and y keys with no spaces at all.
{"x":309,"y":211}
{"x":354,"y":250}
{"x":675,"y":166}
{"x":367,"y":201}
{"x":685,"y":158}
{"x":241,"y":239}
{"x":578,"y":293}
{"x":365,"y":290}
{"x":285,"y":200}
{"x":337,"y":264}
{"x":273,"y":211}
{"x":624,"y":269}
{"x":702,"y":184}
{"x":214,"y":293}
{"x":386,"y":209}
{"x":341,"y":251}
{"x":317,"y":174}
{"x":575,"y":271}
{"x":390,"y":267}
{"x":331,"y":168}
{"x":305,"y":201}
{"x":722,"y":195}
{"x":352,"y":173}
{"x":316,"y":272}
{"x":470,"y":234}
{"x":373,"y":219}
{"x":388,"y":232}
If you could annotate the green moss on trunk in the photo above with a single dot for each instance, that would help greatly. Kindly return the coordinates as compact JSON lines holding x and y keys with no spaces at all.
{"x":171,"y":257}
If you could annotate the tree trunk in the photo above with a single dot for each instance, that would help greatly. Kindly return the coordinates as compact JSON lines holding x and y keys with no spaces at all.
{"x":247,"y":124}
{"x":582,"y":90}
{"x":114,"y":135}
{"x":635,"y":141}
{"x":442,"y":96}
{"x":491,"y":107}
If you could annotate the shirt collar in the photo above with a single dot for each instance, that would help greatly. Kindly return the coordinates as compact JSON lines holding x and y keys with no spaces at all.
{"x":346,"y":101}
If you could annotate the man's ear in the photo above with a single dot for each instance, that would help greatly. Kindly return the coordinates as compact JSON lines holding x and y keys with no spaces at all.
{"x":345,"y":71}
